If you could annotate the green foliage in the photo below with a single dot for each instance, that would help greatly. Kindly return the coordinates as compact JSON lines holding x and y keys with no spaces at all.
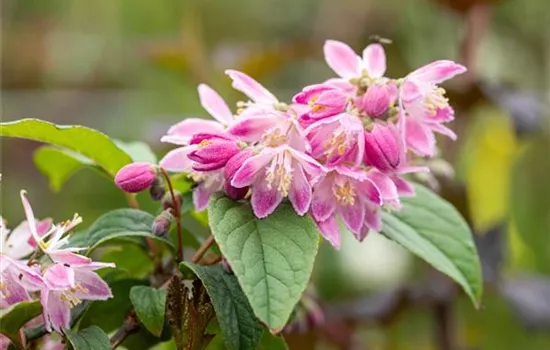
{"x":122,"y":223}
{"x":150,"y":305}
{"x":138,"y":151}
{"x":236,"y":319}
{"x":272,"y":342}
{"x":14,"y":317}
{"x":272,"y":257}
{"x":88,"y":142}
{"x":431,"y":228}
{"x":91,"y":338}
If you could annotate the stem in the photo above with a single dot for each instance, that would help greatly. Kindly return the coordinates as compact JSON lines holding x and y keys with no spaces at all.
{"x":203,"y":248}
{"x":133,"y":203}
{"x":177,"y":214}
{"x":130,"y":326}
{"x":443,"y":325}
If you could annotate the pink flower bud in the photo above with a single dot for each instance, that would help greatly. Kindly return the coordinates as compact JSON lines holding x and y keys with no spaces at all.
{"x":376,"y":101}
{"x":135,"y":177}
{"x":231,"y":168}
{"x":162,"y":223}
{"x":384,"y":147}
{"x":324,"y":100}
{"x":213,"y":155}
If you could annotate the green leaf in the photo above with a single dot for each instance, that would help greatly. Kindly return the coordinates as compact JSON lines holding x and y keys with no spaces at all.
{"x":59,"y":164}
{"x":432,"y":228}
{"x":121,"y":223}
{"x":138,"y":151}
{"x":272,"y":342}
{"x":91,"y":338}
{"x":14,"y":317}
{"x":116,"y":307}
{"x":150,"y":306}
{"x":237,"y":322}
{"x":272,"y":257}
{"x":530,"y":200}
{"x":88,"y":142}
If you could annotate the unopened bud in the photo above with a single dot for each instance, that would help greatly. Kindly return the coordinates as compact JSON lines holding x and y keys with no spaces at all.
{"x":162,"y":223}
{"x":157,"y":189}
{"x":231,"y":168}
{"x":384,"y":147}
{"x":168,"y":203}
{"x":135,"y":177}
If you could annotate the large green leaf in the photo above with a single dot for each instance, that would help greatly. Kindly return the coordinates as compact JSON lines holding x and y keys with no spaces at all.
{"x":90,"y":143}
{"x":138,"y":151}
{"x":272,"y":342}
{"x":272,"y":257}
{"x":14,"y":317}
{"x":122,"y":223}
{"x":60,"y":164}
{"x":91,"y":338}
{"x":236,"y":319}
{"x":530,"y":200}
{"x":150,"y":306}
{"x":432,"y":228}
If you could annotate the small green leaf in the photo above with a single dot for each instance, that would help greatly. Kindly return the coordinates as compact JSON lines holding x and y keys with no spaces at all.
{"x":237,"y":322}
{"x":121,"y":223}
{"x":91,"y":338}
{"x":59,"y":164}
{"x":88,"y":142}
{"x":272,"y":342}
{"x":138,"y":151}
{"x":272,"y":257}
{"x":432,"y":228}
{"x":14,"y":317}
{"x":150,"y":306}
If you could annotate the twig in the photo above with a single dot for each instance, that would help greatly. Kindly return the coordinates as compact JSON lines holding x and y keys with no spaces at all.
{"x":177,"y":214}
{"x":129,"y":327}
{"x":133,"y":203}
{"x":443,"y":329}
{"x":203,"y":248}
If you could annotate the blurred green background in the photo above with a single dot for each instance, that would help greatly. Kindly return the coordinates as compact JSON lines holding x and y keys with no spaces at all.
{"x":130,"y":68}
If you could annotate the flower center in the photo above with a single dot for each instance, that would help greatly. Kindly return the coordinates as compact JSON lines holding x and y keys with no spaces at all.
{"x":69,"y":296}
{"x":345,"y":194}
{"x":279,"y":174}
{"x":337,"y":144}
{"x":274,"y":138}
{"x":435,"y":100}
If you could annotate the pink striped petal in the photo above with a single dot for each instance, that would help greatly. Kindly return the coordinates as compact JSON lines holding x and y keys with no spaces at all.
{"x":310,"y":165}
{"x":69,"y":258}
{"x":252,"y":167}
{"x":214,"y":104}
{"x":93,"y":287}
{"x":330,"y":231}
{"x":177,"y":161}
{"x":265,"y":200}
{"x":190,"y":126}
{"x":420,"y":139}
{"x":300,"y":191}
{"x":438,"y":71}
{"x":404,"y":188}
{"x":251,"y":128}
{"x":250,"y":87}
{"x":442,"y":129}
{"x":57,"y":313}
{"x":385,"y":185}
{"x":29,"y":214}
{"x":342,"y":59}
{"x":201,"y":196}
{"x":353,"y":217}
{"x":374,"y":58}
{"x":59,"y":277}
{"x":373,"y":220}
{"x":323,"y":204}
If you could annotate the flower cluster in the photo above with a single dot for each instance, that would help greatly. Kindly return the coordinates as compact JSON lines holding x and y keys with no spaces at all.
{"x":338,"y":151}
{"x":34,"y":262}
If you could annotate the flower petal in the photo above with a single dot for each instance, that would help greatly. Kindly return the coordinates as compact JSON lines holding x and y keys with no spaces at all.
{"x":420,"y":139}
{"x":214,"y":104}
{"x":93,"y":287}
{"x":186,"y":128}
{"x":201,"y":196}
{"x":374,"y":58}
{"x":57,"y":313}
{"x":30,"y":215}
{"x":385,"y":185}
{"x":330,"y":231}
{"x":251,"y":167}
{"x":342,"y":59}
{"x":353,"y":217}
{"x":59,"y":277}
{"x":438,"y":71}
{"x":251,"y":127}
{"x":322,"y":204}
{"x":310,"y":165}
{"x":177,"y":161}
{"x":250,"y":87}
{"x":72,"y":259}
{"x":373,"y":220}
{"x":264,"y":200}
{"x":300,"y":191}
{"x":404,"y":188}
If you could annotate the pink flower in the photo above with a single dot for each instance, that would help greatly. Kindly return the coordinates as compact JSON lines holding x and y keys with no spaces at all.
{"x":67,"y":282}
{"x":347,"y":64}
{"x":426,"y":106}
{"x":16,"y":281}
{"x":136,"y":177}
{"x":20,"y":243}
{"x":276,"y":173}
{"x":323,"y":100}
{"x":378,"y":99}
{"x":337,"y":139}
{"x":350,"y":195}
{"x":384,"y":147}
{"x":212,"y":152}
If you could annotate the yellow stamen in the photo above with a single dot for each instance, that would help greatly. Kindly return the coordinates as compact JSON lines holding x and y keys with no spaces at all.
{"x":345,"y":194}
